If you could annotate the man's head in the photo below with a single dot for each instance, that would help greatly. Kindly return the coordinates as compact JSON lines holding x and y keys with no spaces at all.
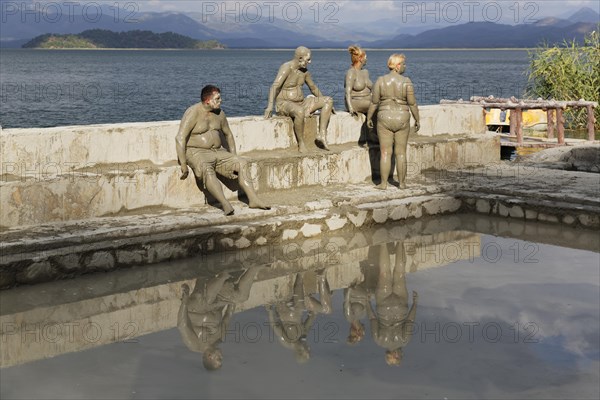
{"x":211,"y":95}
{"x":212,"y":359}
{"x":397,"y":62}
{"x":302,"y":54}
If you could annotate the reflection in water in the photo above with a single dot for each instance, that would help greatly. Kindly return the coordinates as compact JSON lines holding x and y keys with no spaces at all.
{"x":502,"y":324}
{"x":204,"y":315}
{"x":392,"y":323}
{"x":287,"y":317}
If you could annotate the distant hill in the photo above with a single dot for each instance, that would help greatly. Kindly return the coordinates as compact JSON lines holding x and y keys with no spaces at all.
{"x":489,"y":35}
{"x":102,"y":38}
{"x":390,"y":32}
{"x":585,"y":14}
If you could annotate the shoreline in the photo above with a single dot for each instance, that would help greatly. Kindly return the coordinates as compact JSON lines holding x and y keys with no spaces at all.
{"x":284,"y":49}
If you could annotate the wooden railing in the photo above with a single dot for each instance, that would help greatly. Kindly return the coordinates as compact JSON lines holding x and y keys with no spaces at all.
{"x":554,"y":109}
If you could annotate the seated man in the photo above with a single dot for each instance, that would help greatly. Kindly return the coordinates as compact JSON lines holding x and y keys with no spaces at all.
{"x":198,"y":144}
{"x":287,"y":89}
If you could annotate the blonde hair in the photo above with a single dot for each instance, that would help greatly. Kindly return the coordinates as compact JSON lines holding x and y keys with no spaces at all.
{"x":394,"y":60}
{"x":356,"y":53}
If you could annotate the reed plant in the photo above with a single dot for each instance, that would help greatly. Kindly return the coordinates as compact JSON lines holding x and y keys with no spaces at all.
{"x":570,"y":71}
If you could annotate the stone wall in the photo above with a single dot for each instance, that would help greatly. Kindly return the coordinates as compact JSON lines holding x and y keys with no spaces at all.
{"x":82,"y":172}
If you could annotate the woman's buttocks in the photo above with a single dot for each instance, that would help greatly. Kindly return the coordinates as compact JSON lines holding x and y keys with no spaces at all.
{"x":394,"y":119}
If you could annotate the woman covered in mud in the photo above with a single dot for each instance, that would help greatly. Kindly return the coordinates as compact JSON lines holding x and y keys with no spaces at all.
{"x":394,"y":100}
{"x":358,"y":86}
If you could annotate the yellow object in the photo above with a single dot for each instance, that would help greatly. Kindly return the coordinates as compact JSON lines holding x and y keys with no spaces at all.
{"x":531,"y":118}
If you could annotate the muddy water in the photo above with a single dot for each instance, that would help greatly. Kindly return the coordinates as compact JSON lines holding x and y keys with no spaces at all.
{"x":466,"y":313}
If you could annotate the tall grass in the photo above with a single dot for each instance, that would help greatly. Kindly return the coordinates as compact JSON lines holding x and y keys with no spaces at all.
{"x":570,"y":71}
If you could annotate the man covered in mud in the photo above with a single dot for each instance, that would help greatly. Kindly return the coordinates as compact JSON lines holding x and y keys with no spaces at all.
{"x":198,"y":144}
{"x":204,"y":315}
{"x":286,"y":93}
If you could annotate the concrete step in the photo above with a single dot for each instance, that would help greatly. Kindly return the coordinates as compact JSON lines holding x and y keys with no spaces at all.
{"x":51,"y":194}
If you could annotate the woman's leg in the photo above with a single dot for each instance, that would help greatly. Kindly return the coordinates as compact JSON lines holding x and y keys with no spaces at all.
{"x":386,"y":143}
{"x":400,"y":145}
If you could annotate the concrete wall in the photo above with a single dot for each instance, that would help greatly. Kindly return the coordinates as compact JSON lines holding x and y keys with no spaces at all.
{"x":80,"y":146}
{"x":81,"y":172}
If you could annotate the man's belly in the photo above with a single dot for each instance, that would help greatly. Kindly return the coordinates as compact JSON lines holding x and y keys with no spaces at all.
{"x":291,"y":94}
{"x":206,"y":140}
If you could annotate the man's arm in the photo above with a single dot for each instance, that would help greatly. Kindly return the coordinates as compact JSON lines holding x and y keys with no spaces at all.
{"x":184,"y":324}
{"x":229,"y":310}
{"x":228,"y":134}
{"x":185,"y":130}
{"x":312,"y":85}
{"x":282,"y":75}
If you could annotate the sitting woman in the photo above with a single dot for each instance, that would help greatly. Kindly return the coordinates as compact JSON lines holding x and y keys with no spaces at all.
{"x":358,"y":85}
{"x":393,"y":98}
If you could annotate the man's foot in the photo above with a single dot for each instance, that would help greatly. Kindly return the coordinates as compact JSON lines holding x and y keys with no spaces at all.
{"x":228,"y":210}
{"x":402,"y":185}
{"x":381,"y":186}
{"x":302,"y":148}
{"x":321,"y":142}
{"x":259,"y":204}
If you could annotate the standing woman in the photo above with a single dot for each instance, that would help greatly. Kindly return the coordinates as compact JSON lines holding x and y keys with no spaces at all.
{"x":357,"y":84}
{"x":393,"y":98}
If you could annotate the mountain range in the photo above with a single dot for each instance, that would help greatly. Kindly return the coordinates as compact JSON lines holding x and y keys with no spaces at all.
{"x":385,"y":33}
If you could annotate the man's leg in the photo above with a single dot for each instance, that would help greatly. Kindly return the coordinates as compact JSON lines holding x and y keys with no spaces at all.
{"x":232,"y":166}
{"x":296,"y":112}
{"x":325,"y":104}
{"x":202,"y":163}
{"x":213,"y":185}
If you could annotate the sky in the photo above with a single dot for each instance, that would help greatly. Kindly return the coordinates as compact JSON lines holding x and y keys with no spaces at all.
{"x":345,"y":12}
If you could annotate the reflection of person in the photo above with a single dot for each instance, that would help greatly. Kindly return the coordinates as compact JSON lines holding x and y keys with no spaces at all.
{"x":205,"y":314}
{"x":393,"y":97}
{"x":392,"y":324}
{"x":287,"y":94}
{"x":198,"y":145}
{"x":287,"y":317}
{"x":356,"y":299}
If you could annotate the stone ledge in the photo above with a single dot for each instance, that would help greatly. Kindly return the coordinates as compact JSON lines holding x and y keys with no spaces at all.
{"x":155,"y":141}
{"x":117,"y":189}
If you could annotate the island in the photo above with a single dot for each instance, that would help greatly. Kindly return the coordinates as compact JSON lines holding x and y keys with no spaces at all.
{"x":106,"y":39}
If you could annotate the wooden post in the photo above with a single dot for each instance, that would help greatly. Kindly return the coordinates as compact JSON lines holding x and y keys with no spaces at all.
{"x":560,"y":123}
{"x":550,"y":118}
{"x":590,"y":122}
{"x":512,"y":119}
{"x":519,"y":125}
